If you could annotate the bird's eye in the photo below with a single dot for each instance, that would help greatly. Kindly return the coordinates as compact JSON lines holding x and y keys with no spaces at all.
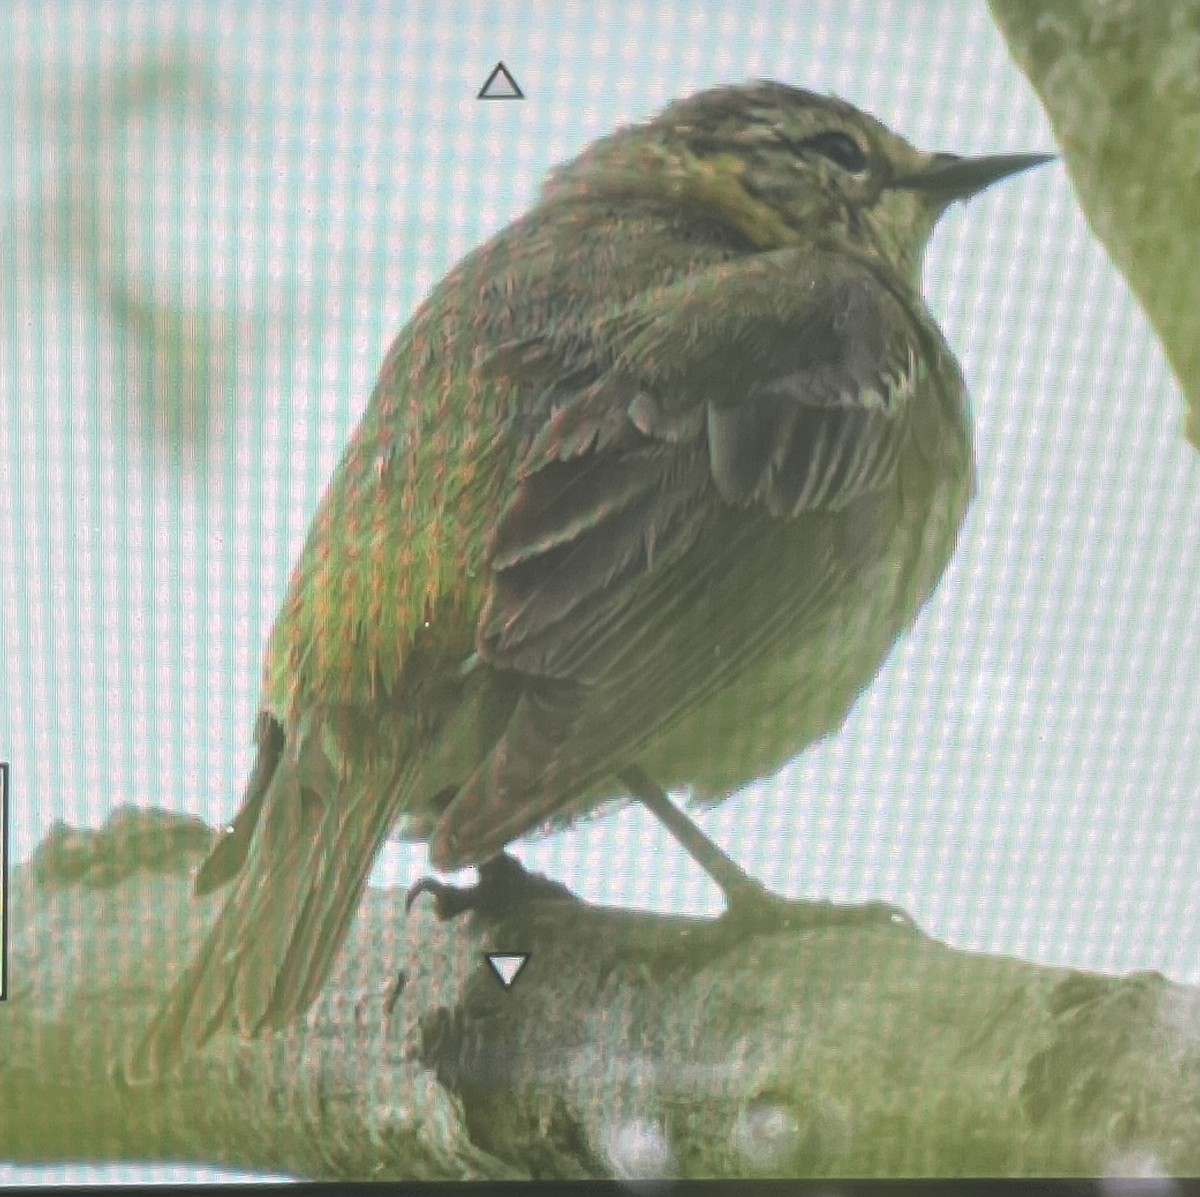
{"x":840,"y":148}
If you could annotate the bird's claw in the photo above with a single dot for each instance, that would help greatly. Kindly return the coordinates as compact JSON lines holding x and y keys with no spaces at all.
{"x":755,"y":908}
{"x":755,"y":911}
{"x":759,"y":907}
{"x":503,"y":884}
{"x":449,"y":900}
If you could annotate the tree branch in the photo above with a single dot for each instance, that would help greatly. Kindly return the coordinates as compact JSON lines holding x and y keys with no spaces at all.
{"x":829,"y":1050}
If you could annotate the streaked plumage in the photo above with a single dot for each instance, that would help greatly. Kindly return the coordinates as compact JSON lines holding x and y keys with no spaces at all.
{"x":656,"y":476}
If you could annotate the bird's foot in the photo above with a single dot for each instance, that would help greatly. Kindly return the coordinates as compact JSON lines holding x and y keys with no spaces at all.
{"x":753,"y":911}
{"x":504,"y":883}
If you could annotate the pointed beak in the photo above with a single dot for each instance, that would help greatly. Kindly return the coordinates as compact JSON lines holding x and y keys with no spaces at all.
{"x":949,"y":177}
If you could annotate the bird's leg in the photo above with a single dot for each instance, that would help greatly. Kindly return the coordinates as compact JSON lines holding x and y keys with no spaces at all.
{"x":719,"y":865}
{"x":503,"y":884}
{"x":749,"y":905}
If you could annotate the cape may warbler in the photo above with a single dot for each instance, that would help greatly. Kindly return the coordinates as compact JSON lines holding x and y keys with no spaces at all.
{"x":646,"y":490}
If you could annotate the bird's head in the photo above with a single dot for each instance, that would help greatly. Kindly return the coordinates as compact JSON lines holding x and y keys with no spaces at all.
{"x":787,"y":167}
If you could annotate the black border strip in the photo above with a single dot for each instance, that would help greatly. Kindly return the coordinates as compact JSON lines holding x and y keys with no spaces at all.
{"x":1134,"y":1187}
{"x":4,"y":881}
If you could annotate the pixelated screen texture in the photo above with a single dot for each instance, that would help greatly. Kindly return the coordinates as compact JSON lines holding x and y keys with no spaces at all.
{"x":217,"y":216}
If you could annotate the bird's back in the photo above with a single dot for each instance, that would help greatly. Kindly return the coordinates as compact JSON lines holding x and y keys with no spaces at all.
{"x":396,"y":556}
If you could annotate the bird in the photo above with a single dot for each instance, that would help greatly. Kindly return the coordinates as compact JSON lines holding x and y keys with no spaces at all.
{"x":646,"y":491}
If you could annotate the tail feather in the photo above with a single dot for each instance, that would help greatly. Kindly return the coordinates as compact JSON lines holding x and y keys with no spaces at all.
{"x":225,"y":861}
{"x":341,"y":864}
{"x":304,"y":863}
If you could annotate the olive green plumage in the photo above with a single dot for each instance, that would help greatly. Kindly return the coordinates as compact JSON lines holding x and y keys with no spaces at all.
{"x":657,"y":476}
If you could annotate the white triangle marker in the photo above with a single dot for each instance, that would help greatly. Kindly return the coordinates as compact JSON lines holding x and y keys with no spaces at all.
{"x":506,"y":966}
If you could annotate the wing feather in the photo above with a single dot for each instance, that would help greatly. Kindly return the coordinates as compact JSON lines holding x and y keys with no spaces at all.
{"x":707,"y":438}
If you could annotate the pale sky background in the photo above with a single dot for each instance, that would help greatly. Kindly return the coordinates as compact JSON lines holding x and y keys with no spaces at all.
{"x":234,"y":207}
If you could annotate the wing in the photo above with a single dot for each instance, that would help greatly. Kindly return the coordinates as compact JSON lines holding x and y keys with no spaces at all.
{"x":741,"y":400}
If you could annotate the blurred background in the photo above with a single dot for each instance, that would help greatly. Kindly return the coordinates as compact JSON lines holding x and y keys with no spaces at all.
{"x":213,"y":220}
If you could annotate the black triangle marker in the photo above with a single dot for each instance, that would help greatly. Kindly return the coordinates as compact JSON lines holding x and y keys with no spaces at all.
{"x":506,"y":88}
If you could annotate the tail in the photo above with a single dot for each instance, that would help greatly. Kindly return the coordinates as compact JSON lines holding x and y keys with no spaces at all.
{"x":299,"y":853}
